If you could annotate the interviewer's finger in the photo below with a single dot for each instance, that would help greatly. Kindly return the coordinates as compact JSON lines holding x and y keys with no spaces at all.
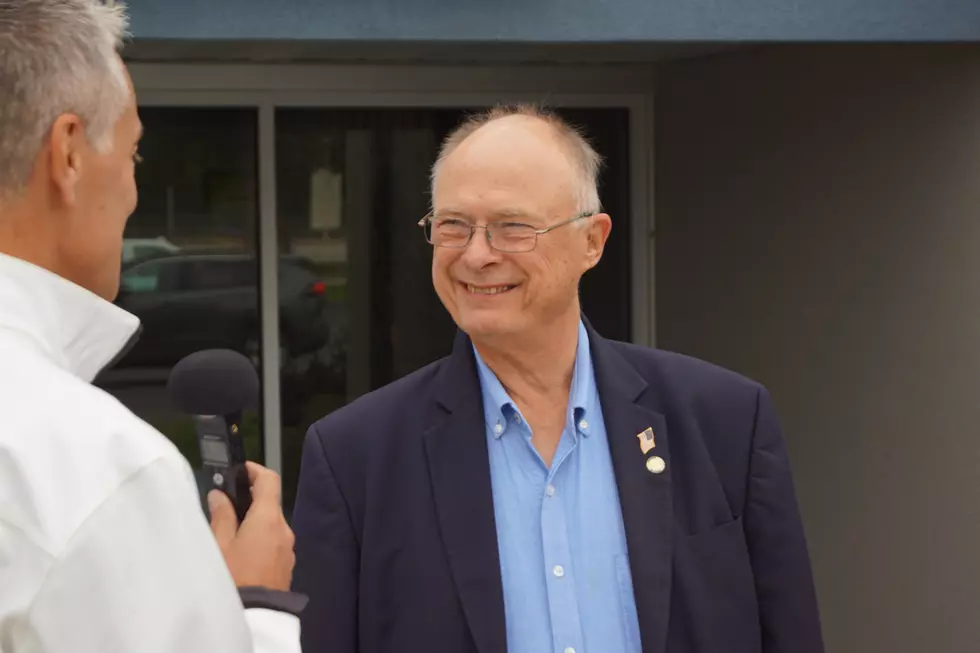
{"x":224,"y":521}
{"x":266,"y":484}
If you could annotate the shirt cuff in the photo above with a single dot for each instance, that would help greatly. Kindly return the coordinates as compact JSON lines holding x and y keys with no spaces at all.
{"x":262,"y":597}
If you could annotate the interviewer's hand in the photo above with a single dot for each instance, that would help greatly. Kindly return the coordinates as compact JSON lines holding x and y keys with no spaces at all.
{"x":260,"y":552}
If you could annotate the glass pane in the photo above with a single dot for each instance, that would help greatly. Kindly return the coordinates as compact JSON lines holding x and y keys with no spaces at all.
{"x":189,"y":259}
{"x":361,"y":311}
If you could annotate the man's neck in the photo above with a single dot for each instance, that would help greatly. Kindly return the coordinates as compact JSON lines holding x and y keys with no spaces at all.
{"x":22,"y":237}
{"x":536,"y":367}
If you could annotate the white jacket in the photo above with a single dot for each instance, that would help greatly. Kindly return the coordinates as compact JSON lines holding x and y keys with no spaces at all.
{"x":104,"y":547}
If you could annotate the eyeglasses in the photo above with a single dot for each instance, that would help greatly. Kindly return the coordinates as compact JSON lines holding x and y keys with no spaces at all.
{"x":511,"y":237}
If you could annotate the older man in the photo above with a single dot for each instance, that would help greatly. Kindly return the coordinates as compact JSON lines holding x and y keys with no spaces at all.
{"x":103,"y":545}
{"x":542,"y":488}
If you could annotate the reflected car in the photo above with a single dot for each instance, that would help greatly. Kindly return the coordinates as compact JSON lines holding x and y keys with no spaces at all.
{"x":190,"y":302}
{"x":140,"y":249}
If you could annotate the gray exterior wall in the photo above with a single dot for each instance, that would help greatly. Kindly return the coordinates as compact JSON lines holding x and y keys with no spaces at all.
{"x":818,"y":222}
{"x":558,"y":21}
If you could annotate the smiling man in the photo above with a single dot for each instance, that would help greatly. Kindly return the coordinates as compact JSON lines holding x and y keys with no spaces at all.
{"x":542,"y":488}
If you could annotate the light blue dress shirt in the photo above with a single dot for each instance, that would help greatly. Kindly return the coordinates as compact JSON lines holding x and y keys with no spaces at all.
{"x":563,"y":559}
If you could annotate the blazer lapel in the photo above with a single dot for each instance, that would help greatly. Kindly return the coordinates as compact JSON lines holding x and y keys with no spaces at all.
{"x":645,"y":496}
{"x":459,"y":468}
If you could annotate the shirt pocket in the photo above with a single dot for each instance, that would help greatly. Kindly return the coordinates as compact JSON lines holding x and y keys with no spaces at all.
{"x":627,"y":603}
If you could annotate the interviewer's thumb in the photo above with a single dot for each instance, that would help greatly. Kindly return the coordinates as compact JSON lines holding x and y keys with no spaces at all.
{"x":224,"y":521}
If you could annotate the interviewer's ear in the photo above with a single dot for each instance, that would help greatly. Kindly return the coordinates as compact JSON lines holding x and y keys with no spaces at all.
{"x":66,"y":154}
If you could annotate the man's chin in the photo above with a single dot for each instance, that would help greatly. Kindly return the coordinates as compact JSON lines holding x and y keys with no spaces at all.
{"x":488,"y":325}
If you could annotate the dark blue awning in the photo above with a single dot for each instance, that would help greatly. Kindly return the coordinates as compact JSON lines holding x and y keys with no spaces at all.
{"x":559,"y":21}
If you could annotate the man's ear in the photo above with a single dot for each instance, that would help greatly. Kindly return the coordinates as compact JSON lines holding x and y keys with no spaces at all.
{"x":597,"y":234}
{"x":64,"y":156}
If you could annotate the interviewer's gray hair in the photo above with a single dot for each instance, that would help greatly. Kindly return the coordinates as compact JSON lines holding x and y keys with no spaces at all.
{"x":586,"y":161}
{"x":56,"y":57}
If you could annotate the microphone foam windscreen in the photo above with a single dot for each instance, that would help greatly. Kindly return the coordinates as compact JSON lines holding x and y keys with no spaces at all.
{"x":214,"y":382}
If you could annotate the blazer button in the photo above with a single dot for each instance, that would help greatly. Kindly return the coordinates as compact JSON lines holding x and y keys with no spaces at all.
{"x":656,"y":465}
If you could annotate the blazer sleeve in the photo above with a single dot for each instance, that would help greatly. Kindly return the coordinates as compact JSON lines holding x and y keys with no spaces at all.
{"x":327,"y":555}
{"x":777,"y":543}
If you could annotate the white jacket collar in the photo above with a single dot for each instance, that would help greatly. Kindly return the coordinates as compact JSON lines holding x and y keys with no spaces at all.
{"x":72,"y":326}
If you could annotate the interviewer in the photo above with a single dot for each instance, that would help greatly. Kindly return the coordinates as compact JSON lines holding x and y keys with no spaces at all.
{"x":103,"y":546}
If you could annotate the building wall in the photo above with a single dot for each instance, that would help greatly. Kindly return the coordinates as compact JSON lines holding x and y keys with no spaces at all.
{"x":818,"y":228}
{"x":557,"y":21}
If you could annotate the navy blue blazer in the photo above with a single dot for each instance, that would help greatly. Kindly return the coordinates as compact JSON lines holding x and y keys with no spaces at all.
{"x":396,"y":543}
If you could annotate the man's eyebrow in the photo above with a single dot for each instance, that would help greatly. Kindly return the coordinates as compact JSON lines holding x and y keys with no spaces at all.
{"x":449,"y":213}
{"x":520,"y":216}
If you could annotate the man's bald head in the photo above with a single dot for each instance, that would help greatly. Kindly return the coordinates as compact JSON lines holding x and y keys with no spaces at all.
{"x":505,"y":125}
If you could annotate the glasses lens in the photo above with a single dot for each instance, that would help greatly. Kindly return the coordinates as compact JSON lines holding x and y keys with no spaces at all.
{"x":512,"y":237}
{"x":449,"y":232}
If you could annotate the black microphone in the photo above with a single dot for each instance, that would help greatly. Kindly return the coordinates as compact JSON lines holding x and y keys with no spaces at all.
{"x":215,"y":387}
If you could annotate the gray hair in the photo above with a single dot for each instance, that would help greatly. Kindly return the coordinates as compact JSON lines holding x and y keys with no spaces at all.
{"x":57,"y":57}
{"x":586,"y":161}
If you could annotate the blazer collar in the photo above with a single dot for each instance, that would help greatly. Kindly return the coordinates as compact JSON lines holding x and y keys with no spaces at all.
{"x":630,"y":406}
{"x":456,"y":448}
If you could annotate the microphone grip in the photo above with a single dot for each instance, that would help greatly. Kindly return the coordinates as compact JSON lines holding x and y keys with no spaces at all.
{"x":223,"y":458}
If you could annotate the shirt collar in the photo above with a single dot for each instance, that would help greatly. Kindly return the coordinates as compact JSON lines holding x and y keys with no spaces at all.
{"x":75,"y":328}
{"x":499,"y":409}
{"x":583,"y":386}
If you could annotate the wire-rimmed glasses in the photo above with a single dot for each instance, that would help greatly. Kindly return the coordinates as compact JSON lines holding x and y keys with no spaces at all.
{"x":503,"y":236}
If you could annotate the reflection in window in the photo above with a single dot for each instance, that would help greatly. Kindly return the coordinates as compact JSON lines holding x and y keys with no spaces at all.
{"x":144,"y":277}
{"x":189,"y":269}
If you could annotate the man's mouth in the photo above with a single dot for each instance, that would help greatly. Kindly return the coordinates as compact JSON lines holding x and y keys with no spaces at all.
{"x":488,"y":290}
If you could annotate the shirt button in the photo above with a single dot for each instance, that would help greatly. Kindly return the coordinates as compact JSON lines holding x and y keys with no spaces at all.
{"x":582,"y":425}
{"x":550,"y":490}
{"x":559,"y":571}
{"x":498,"y":429}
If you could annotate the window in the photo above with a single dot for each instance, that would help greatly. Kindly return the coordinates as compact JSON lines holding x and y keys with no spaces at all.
{"x":142,"y":278}
{"x":222,"y":273}
{"x":197,"y":198}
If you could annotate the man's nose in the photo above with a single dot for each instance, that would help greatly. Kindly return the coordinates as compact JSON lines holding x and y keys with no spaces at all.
{"x":478,"y":251}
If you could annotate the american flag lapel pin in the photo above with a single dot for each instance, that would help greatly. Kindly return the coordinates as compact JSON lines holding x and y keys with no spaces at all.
{"x":647,"y":442}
